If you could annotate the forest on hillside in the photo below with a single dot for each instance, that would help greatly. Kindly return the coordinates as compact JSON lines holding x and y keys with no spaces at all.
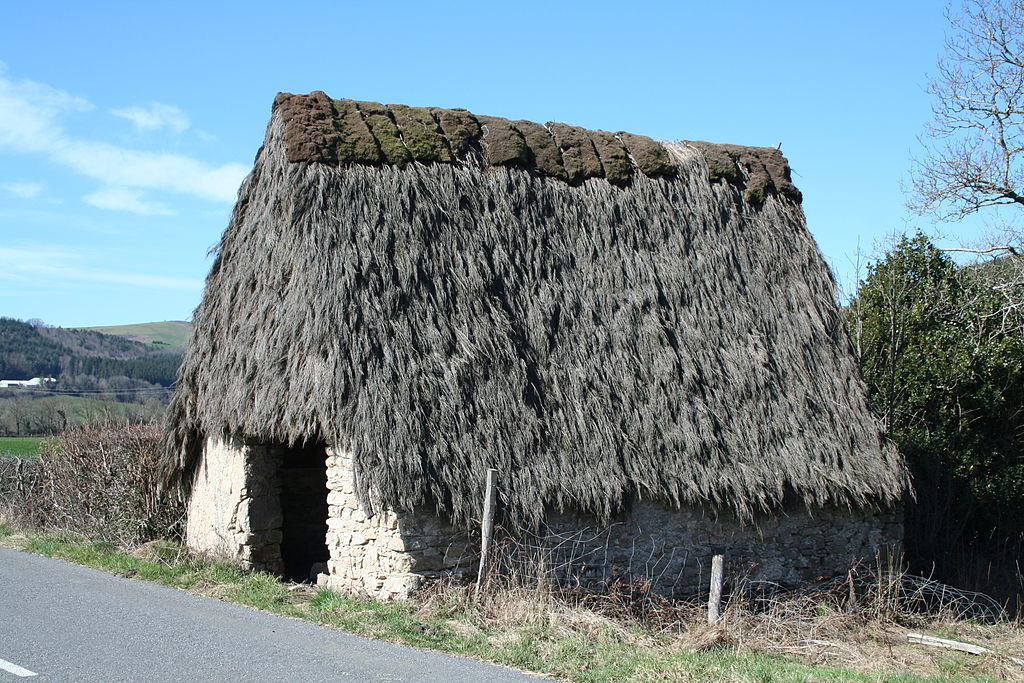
{"x":29,"y":350}
{"x":99,"y":378}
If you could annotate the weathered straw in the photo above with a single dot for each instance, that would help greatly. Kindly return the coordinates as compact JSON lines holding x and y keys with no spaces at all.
{"x":663,"y":337}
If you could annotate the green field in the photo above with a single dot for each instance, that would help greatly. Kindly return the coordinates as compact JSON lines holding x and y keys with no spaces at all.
{"x":20,"y":446}
{"x":171,"y":334}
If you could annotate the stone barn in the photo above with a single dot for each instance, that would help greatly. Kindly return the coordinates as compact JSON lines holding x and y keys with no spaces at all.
{"x":640,"y":336}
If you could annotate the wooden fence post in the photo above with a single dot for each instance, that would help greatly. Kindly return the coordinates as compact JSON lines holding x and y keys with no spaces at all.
{"x":487,"y":527}
{"x":715,"y":595}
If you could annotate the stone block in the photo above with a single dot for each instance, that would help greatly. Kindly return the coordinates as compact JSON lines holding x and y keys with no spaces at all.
{"x":455,"y":551}
{"x":400,"y":586}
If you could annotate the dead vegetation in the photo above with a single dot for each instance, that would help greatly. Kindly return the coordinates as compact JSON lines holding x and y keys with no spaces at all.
{"x":98,"y":480}
{"x":859,"y":623}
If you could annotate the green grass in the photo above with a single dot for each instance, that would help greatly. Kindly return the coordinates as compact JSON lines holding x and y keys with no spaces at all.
{"x":169,"y":334}
{"x":20,"y":446}
{"x":546,"y":645}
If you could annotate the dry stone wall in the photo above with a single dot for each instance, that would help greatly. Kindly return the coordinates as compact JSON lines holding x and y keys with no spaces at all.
{"x":235,"y":511}
{"x":387,"y":555}
{"x":672,"y":548}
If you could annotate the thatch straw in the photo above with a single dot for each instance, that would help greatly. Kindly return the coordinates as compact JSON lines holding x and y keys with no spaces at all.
{"x":663,"y":339}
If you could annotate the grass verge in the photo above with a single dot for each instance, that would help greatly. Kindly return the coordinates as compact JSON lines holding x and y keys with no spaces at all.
{"x":526,"y":630}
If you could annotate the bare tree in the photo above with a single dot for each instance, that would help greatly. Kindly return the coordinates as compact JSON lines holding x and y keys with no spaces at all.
{"x":975,"y":141}
{"x":974,"y":146}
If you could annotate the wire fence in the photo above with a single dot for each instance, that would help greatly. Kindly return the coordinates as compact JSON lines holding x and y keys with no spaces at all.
{"x":645,"y":569}
{"x":595,"y":558}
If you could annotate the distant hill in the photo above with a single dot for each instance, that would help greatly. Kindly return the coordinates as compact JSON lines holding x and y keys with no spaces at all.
{"x":28,"y":350}
{"x":169,"y":334}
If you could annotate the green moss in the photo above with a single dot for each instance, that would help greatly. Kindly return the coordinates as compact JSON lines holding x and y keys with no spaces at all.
{"x":755,"y":170}
{"x":356,"y":143}
{"x":755,"y":194}
{"x":759,"y":180}
{"x":779,"y":171}
{"x":650,"y":156}
{"x":618,"y":169}
{"x":421,"y":134}
{"x":723,"y":166}
{"x":385,"y":132}
{"x":578,"y":154}
{"x":309,"y":133}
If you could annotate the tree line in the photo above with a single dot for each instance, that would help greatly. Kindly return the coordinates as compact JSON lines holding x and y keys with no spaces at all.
{"x":941,"y":347}
{"x":49,"y":415}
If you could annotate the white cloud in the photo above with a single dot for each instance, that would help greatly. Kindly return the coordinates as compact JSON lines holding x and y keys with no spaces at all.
{"x":125,"y":199}
{"x":51,"y":264}
{"x":24,"y":190}
{"x":29,"y":113}
{"x":30,"y":121}
{"x":155,"y":117}
{"x":132,"y":168}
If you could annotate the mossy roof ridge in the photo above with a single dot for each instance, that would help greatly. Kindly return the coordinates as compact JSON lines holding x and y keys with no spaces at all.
{"x":319,"y":129}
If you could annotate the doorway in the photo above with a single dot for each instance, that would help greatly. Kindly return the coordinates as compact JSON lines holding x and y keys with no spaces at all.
{"x":303,"y":476}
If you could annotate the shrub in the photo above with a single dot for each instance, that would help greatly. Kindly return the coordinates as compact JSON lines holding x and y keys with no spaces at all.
{"x":17,"y":476}
{"x":101,"y":482}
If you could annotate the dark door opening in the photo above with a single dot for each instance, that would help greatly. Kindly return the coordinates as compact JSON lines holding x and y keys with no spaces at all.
{"x":304,"y":510}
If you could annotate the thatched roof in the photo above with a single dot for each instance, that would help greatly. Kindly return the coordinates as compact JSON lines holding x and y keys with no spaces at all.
{"x":599,"y":316}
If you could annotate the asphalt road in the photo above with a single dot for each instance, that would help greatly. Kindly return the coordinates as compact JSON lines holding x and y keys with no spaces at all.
{"x":63,"y":622}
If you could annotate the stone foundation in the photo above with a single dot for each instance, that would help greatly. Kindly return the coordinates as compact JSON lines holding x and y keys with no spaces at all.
{"x":387,"y":555}
{"x":672,"y":549}
{"x":235,"y":511}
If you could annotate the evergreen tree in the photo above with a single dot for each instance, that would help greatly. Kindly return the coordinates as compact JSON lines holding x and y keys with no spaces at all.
{"x":945,"y":372}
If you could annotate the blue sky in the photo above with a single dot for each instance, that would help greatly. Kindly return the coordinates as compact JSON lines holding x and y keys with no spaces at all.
{"x":125,"y":128}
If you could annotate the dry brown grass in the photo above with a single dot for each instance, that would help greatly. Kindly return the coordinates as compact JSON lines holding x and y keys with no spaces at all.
{"x":98,"y":481}
{"x":863,"y":630}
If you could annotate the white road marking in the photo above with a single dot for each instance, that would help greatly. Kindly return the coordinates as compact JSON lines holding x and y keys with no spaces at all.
{"x":15,"y":669}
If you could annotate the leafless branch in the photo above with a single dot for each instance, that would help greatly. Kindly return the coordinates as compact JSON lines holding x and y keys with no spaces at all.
{"x":973,"y":156}
{"x":1006,"y":249}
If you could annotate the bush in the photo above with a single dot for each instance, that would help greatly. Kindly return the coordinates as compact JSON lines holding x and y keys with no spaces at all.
{"x":100,"y":482}
{"x":17,"y":476}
